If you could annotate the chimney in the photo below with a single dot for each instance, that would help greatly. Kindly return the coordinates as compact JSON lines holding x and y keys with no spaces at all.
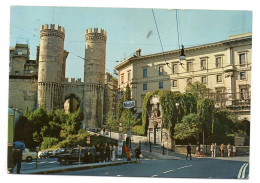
{"x":138,"y":52}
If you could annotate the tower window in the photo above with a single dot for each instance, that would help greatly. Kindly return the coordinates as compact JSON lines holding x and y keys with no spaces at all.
{"x":161,"y":85}
{"x":144,"y":86}
{"x":145,"y":73}
{"x":174,"y":83}
{"x":160,"y":70}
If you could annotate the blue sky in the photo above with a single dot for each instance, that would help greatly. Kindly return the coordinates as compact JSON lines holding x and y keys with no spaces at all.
{"x":127,"y":29}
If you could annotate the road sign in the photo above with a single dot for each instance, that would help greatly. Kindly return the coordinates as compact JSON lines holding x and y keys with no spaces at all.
{"x":120,"y":128}
{"x":88,"y":138}
{"x":129,"y":104}
{"x":120,"y":124}
{"x":166,"y":135}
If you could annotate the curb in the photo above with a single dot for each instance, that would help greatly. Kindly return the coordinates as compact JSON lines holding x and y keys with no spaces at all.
{"x":74,"y":168}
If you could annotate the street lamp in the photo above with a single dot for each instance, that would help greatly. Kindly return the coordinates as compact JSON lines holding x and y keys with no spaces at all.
{"x":182,"y":56}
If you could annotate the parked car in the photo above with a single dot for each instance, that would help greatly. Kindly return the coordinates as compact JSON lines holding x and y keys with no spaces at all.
{"x":54,"y":153}
{"x":28,"y":155}
{"x":74,"y":156}
{"x":45,"y":154}
{"x":63,"y":151}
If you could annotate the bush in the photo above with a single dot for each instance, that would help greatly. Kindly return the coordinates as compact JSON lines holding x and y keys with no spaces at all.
{"x":48,"y":142}
{"x":138,"y":130}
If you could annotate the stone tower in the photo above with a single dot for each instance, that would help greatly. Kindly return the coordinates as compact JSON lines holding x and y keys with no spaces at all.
{"x":51,"y":66}
{"x":94,"y":77}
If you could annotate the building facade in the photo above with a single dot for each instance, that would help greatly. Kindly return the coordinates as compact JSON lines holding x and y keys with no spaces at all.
{"x":224,"y":67}
{"x":42,"y":82}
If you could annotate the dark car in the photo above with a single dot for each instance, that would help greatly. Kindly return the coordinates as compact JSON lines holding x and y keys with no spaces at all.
{"x":75,"y":155}
{"x":62,"y":151}
{"x":54,"y":153}
{"x":45,"y":154}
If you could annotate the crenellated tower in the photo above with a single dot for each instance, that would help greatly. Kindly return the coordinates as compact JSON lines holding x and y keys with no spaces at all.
{"x":51,"y":71}
{"x":94,"y":77}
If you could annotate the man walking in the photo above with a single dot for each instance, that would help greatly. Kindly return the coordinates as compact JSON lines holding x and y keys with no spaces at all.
{"x":212,"y":150}
{"x":188,"y":151}
{"x":18,"y":149}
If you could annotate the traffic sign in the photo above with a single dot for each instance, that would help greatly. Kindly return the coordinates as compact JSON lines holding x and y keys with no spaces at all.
{"x":120,"y":124}
{"x":88,"y":138}
{"x":166,"y":134}
{"x":129,"y":104}
{"x":120,"y":128}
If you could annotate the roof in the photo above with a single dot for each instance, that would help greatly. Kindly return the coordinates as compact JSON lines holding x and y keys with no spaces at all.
{"x":231,"y":39}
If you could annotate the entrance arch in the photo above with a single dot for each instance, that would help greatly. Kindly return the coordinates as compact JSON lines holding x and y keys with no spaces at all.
{"x":71,"y":103}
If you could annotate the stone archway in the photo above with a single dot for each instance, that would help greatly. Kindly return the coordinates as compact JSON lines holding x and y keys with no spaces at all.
{"x":71,"y":103}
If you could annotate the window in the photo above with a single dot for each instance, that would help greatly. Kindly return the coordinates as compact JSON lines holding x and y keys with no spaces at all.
{"x":160,"y":70}
{"x":244,"y":94}
{"x":144,"y":73}
{"x":219,"y":95}
{"x":242,"y":59}
{"x":242,"y":75}
{"x":174,"y":83}
{"x":203,"y":80}
{"x":128,"y":75}
{"x":189,"y":80}
{"x":218,"y":62}
{"x":122,"y":78}
{"x":219,"y":78}
{"x":189,"y":66}
{"x":144,"y":86}
{"x":161,"y":85}
{"x":203,"y":65}
{"x":16,"y":72}
{"x":174,"y":68}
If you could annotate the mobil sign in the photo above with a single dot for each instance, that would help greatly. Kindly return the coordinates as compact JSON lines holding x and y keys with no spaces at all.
{"x":128,"y":104}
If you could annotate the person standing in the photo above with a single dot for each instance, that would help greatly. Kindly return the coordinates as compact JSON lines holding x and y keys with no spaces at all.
{"x":137,"y":154}
{"x":234,"y":150}
{"x":188,"y":151}
{"x":228,"y":149}
{"x":212,"y":150}
{"x":107,"y":153}
{"x":113,"y":153}
{"x":92,"y":154}
{"x":18,"y":148}
{"x":222,"y":150}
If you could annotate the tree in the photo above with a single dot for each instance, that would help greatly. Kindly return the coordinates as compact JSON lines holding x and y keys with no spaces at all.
{"x":189,"y":128}
{"x":199,"y":90}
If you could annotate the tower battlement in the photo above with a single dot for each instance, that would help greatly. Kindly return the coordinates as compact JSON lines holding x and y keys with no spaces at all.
{"x":96,"y":31}
{"x":53,"y":27}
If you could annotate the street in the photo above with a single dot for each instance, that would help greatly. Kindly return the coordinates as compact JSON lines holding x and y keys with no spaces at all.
{"x":197,"y":168}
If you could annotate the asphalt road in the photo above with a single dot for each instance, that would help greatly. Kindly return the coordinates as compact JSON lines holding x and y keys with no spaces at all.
{"x":197,"y":168}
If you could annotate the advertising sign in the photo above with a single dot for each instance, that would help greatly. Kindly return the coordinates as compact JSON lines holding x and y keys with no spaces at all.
{"x":128,"y":104}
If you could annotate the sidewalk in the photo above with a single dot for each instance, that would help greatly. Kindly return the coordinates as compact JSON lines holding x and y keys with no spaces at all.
{"x":73,"y":167}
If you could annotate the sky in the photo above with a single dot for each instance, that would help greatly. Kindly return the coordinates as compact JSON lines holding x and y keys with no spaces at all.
{"x":127,"y":29}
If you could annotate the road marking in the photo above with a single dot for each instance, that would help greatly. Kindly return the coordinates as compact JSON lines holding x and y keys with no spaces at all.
{"x":154,"y":176}
{"x":168,"y":171}
{"x":242,"y":171}
{"x":119,"y":175}
{"x":53,"y":162}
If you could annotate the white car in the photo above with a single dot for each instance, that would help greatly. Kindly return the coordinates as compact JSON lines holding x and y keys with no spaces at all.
{"x":28,"y":155}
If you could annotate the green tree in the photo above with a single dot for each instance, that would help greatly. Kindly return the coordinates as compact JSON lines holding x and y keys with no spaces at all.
{"x":199,"y":90}
{"x":189,"y":128}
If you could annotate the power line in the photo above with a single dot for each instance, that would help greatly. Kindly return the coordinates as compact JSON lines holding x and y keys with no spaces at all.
{"x":160,"y":39}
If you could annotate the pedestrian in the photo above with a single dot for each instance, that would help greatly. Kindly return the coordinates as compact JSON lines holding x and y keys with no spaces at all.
{"x":222,"y":150}
{"x":234,"y":150}
{"x":113,"y":153}
{"x":125,"y":151}
{"x":228,"y":149}
{"x":18,"y":148}
{"x":215,"y":149}
{"x":86,"y":155}
{"x":97,"y":158}
{"x":92,"y":154}
{"x":212,"y":150}
{"x":102,"y":153}
{"x":137,"y":154}
{"x":188,"y":151}
{"x":107,"y":153}
{"x":110,"y":151}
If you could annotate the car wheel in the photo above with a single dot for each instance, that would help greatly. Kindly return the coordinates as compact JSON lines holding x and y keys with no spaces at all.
{"x":29,"y":159}
{"x":63,"y":161}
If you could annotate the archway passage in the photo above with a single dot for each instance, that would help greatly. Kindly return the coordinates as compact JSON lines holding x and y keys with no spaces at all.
{"x":71,"y":104}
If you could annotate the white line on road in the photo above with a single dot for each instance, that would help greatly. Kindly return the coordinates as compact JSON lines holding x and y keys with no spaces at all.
{"x":244,"y":171}
{"x":241,"y":170}
{"x":154,"y":176}
{"x":53,"y":162}
{"x":168,"y":171}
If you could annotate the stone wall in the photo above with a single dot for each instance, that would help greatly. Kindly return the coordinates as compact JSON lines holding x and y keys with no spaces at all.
{"x":22,"y":94}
